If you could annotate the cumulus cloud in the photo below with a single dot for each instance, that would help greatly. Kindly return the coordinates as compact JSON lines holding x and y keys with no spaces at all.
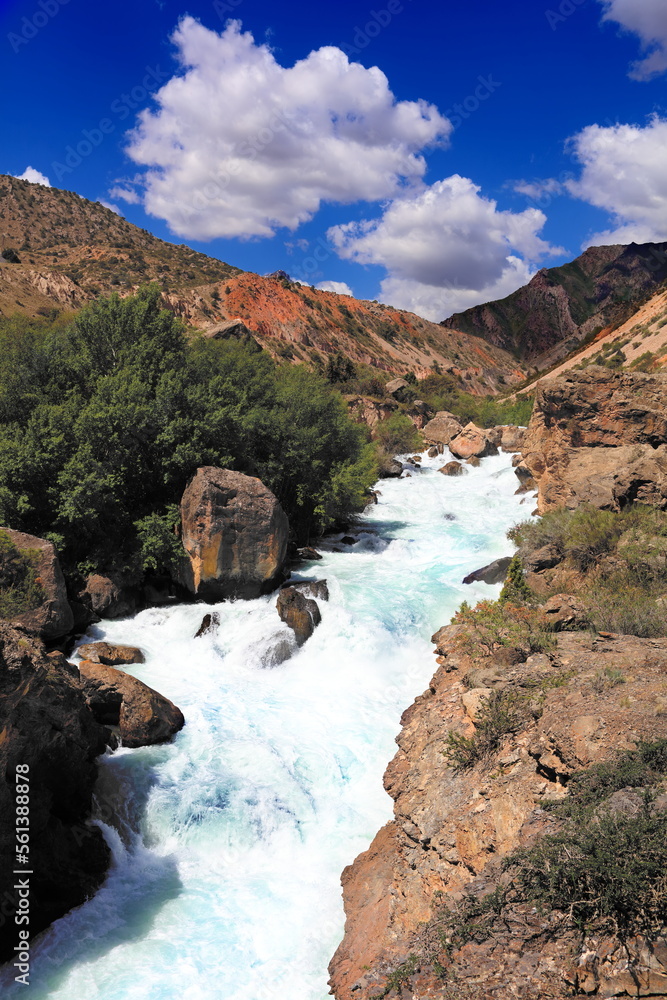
{"x":125,"y":194}
{"x":446,"y":247}
{"x":624,"y":173}
{"x":240,"y":145}
{"x":648,"y":19}
{"x":34,"y":176}
{"x":339,"y":287}
{"x":539,"y":190}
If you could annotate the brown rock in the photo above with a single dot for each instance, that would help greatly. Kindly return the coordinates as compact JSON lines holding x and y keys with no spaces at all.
{"x":512,"y":437}
{"x":433,"y":451}
{"x":234,"y":533}
{"x":565,"y":613}
{"x":115,"y":698}
{"x":452,"y":469}
{"x":299,"y":612}
{"x":364,"y":410}
{"x":108,"y":597}
{"x":53,"y":618}
{"x":110,"y":654}
{"x":308,"y":553}
{"x":472,"y":440}
{"x":600,"y":437}
{"x":494,"y":572}
{"x":46,"y":726}
{"x":474,"y":461}
{"x":395,"y":385}
{"x":442,"y":428}
{"x":209,"y":623}
{"x":311,"y":588}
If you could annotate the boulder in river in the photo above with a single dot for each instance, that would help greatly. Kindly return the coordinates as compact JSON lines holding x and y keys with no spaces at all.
{"x":493,"y":573}
{"x":471,"y":441}
{"x":108,"y":596}
{"x":453,"y":469}
{"x":442,"y":428}
{"x":110,"y":654}
{"x":45,"y":608}
{"x":311,"y":588}
{"x":308,"y":553}
{"x":301,"y":613}
{"x":234,"y":534}
{"x":209,"y":623}
{"x":115,"y":698}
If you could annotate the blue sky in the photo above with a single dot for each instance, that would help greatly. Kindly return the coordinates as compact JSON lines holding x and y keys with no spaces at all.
{"x":432,"y":155}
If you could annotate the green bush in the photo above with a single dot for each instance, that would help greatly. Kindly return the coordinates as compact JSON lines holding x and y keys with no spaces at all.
{"x":397,"y":435}
{"x":444,"y":392}
{"x":103,"y":421}
{"x":504,"y":712}
{"x":491,"y":625}
{"x":20,"y":587}
{"x":515,"y":589}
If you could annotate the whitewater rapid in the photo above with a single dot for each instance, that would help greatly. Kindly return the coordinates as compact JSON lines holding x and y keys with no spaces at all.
{"x":229,"y":842}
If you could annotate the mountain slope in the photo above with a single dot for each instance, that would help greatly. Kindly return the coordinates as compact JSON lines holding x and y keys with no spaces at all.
{"x":71,"y":250}
{"x":548,"y":317}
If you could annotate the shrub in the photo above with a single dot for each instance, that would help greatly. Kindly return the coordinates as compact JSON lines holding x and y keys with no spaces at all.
{"x":20,"y":587}
{"x":397,"y":435}
{"x":493,"y":624}
{"x":504,"y":712}
{"x":515,"y":589}
{"x":590,"y":534}
{"x":617,"y":604}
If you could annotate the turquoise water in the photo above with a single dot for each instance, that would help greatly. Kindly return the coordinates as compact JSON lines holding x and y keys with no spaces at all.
{"x":229,"y":842}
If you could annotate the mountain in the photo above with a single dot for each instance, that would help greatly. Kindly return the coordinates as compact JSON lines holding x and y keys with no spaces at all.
{"x":68,"y":250}
{"x":545,"y":320}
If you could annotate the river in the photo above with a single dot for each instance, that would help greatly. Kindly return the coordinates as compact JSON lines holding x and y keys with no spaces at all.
{"x":229,"y":842}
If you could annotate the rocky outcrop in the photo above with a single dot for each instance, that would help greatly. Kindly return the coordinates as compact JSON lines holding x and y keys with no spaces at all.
{"x":311,"y":588}
{"x":474,"y":442}
{"x":144,"y":716}
{"x":365,"y":410}
{"x":111,"y":654}
{"x":598,"y":436}
{"x":108,"y":596}
{"x":52,"y":617}
{"x":209,"y":623}
{"x":512,"y":438}
{"x":46,"y":726}
{"x":442,"y":428}
{"x":453,"y":469}
{"x":234,"y":534}
{"x":301,"y":613}
{"x":494,"y":572}
{"x":452,"y":829}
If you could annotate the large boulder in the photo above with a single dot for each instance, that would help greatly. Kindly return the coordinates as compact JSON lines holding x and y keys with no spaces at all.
{"x":495,"y":572}
{"x":48,"y":729}
{"x":49,"y":613}
{"x":599,"y":436}
{"x":301,"y":613}
{"x":234,"y":534}
{"x":108,"y":596}
{"x":115,"y":698}
{"x":111,"y":654}
{"x":512,"y":437}
{"x":453,"y":469}
{"x":473,"y":441}
{"x":442,"y":428}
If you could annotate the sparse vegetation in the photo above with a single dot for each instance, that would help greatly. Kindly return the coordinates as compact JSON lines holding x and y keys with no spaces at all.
{"x":20,"y":587}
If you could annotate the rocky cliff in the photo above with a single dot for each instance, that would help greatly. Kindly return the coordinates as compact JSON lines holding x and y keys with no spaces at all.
{"x":561,"y":305}
{"x":431,"y":912}
{"x":598,"y":436}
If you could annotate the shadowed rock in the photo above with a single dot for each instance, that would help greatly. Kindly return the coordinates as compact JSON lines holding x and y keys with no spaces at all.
{"x":53,"y":617}
{"x":311,"y":588}
{"x":110,"y":654}
{"x":495,"y":572}
{"x":115,"y":698}
{"x":209,"y":623}
{"x":299,"y":612}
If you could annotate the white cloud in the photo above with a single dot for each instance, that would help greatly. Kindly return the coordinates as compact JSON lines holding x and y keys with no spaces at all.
{"x":339,"y":287}
{"x":624,"y":173}
{"x":34,"y":176}
{"x":539,"y":190}
{"x":110,"y":206}
{"x":125,"y":194}
{"x":446,"y":247}
{"x":648,"y":19}
{"x":241,"y":145}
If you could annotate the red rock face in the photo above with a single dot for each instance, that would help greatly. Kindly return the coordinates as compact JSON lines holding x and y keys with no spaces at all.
{"x":53,"y":618}
{"x":234,"y":533}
